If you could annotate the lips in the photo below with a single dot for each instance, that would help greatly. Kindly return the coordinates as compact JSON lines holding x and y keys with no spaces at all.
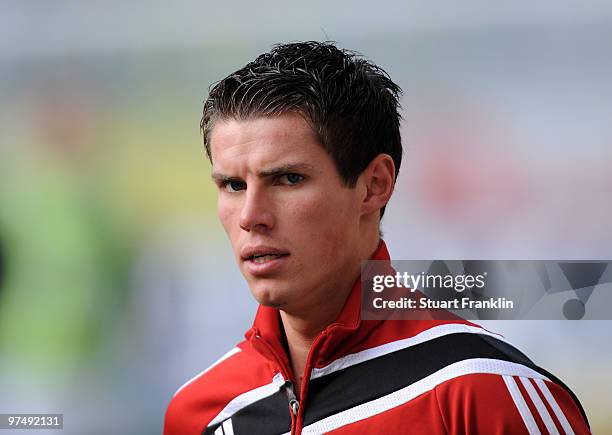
{"x":263,"y":260}
{"x":261,"y":252}
{"x":260,"y":259}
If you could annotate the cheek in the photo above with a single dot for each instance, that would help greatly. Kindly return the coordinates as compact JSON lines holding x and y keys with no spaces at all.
{"x":327,"y":223}
{"x":226,"y":214}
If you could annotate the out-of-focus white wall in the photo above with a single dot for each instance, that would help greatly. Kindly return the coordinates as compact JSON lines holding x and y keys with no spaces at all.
{"x":120,"y":284}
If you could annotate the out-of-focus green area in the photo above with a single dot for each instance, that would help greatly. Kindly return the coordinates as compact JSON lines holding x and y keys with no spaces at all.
{"x":99,"y":155}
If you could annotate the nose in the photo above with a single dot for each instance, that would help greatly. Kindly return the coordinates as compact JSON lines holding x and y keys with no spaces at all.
{"x":256,"y":213}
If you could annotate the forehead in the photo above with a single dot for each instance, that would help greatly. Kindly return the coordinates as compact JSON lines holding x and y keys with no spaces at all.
{"x":265,"y":141}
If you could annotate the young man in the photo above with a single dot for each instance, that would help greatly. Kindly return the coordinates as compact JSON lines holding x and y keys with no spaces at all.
{"x":305,"y":150}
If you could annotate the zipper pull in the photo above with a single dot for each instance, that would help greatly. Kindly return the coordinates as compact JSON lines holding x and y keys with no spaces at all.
{"x":294,"y":404}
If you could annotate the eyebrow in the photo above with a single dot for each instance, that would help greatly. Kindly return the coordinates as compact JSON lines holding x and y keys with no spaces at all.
{"x":271,"y":172}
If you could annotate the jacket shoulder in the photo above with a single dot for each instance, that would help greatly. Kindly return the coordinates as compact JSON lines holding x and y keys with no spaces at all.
{"x":197,"y":402}
{"x":515,"y":402}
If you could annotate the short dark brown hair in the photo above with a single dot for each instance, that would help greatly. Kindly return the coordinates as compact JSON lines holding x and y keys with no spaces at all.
{"x":352,"y":104}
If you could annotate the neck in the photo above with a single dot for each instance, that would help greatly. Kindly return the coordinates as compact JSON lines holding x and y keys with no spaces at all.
{"x":303,"y":328}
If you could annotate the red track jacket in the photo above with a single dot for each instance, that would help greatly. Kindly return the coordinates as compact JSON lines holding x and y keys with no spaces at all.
{"x":376,"y":377}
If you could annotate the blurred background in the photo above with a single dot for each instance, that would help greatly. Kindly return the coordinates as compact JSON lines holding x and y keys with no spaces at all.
{"x":117,"y":283}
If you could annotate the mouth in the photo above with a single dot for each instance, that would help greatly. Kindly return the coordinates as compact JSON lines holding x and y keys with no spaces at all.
{"x":261,"y":253}
{"x":263,"y":260}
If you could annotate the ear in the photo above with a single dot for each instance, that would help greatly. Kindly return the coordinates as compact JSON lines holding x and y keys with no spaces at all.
{"x":379,"y":180}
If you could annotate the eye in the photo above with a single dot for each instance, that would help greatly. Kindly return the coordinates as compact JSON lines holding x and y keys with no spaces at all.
{"x":290,"y":178}
{"x":234,"y":185}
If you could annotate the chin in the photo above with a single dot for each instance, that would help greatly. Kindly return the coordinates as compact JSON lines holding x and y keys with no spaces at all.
{"x":269,"y":297}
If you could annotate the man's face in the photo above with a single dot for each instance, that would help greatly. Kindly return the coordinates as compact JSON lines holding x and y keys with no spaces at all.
{"x":293,"y":225}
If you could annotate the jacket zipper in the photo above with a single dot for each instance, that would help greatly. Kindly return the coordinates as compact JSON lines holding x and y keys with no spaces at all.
{"x":294,"y":403}
{"x":308,"y":367}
